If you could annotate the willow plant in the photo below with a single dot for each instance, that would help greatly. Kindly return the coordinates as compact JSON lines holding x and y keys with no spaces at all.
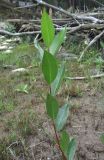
{"x":53,"y":74}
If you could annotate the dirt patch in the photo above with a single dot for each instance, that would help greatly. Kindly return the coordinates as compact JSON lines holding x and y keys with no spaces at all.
{"x":85,"y":123}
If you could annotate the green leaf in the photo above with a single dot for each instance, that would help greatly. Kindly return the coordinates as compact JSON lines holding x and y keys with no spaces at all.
{"x":71,"y":149}
{"x":38,"y":47}
{"x":52,"y":107}
{"x":58,"y":40}
{"x":64,"y":141}
{"x":49,"y":67}
{"x":102,"y":138}
{"x":57,"y":82}
{"x":102,"y":44}
{"x":47,"y":29}
{"x":62,"y":117}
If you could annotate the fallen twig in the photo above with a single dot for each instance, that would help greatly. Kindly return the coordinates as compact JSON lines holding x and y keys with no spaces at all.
{"x":90,"y":44}
{"x":4,"y":32}
{"x":70,"y":30}
{"x":18,"y":34}
{"x":83,"y":78}
{"x":85,"y":27}
{"x":66,"y":20}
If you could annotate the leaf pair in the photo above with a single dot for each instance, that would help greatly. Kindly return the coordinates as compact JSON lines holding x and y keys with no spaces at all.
{"x":52,"y":41}
{"x":58,"y":115}
{"x":48,"y":33}
{"x":68,"y":145}
{"x":52,"y":74}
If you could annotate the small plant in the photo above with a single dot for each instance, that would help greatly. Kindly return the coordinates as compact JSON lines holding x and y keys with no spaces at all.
{"x":99,"y":63}
{"x":9,"y":27}
{"x":102,"y":138}
{"x":23,"y":88}
{"x":6,"y":107}
{"x":10,"y":106}
{"x":54,"y":76}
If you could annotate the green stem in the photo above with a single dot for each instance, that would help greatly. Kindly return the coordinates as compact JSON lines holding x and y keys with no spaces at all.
{"x":57,"y":138}
{"x":58,"y":142}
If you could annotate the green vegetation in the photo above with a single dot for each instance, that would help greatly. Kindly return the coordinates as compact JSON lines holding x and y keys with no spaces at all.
{"x":22,"y":114}
{"x":20,"y":56}
{"x":17,"y":121}
{"x":53,"y":77}
{"x":102,"y":138}
{"x":22,"y":88}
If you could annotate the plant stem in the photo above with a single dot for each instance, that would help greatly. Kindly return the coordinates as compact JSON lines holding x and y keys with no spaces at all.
{"x":50,"y":89}
{"x":57,"y":140}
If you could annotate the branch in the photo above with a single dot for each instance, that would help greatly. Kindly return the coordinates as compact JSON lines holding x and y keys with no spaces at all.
{"x":18,"y":34}
{"x":74,"y":16}
{"x":83,"y":78}
{"x":4,"y":32}
{"x":65,"y":20}
{"x":98,"y":3}
{"x":90,"y":18}
{"x":70,"y":30}
{"x":90,"y":44}
{"x":93,"y":13}
{"x":85,"y":26}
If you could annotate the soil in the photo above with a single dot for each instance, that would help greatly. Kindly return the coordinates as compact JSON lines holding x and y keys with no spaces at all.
{"x":85,"y":123}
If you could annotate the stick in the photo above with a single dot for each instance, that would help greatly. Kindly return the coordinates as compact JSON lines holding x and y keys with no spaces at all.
{"x":18,"y":34}
{"x":4,"y":32}
{"x":37,"y":20}
{"x":90,"y":44}
{"x":85,"y":26}
{"x":83,"y":78}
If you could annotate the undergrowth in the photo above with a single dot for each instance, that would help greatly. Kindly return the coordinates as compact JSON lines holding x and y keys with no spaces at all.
{"x":19,"y":120}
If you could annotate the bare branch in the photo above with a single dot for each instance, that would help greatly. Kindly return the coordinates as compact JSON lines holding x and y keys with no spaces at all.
{"x":90,"y":44}
{"x":18,"y":34}
{"x":83,"y":78}
{"x":70,"y":30}
{"x":85,"y":27}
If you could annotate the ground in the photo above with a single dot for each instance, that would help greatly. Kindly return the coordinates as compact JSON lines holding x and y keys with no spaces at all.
{"x":25,"y":130}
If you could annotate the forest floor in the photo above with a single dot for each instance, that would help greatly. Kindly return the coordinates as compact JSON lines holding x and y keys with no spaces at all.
{"x":25,"y":130}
